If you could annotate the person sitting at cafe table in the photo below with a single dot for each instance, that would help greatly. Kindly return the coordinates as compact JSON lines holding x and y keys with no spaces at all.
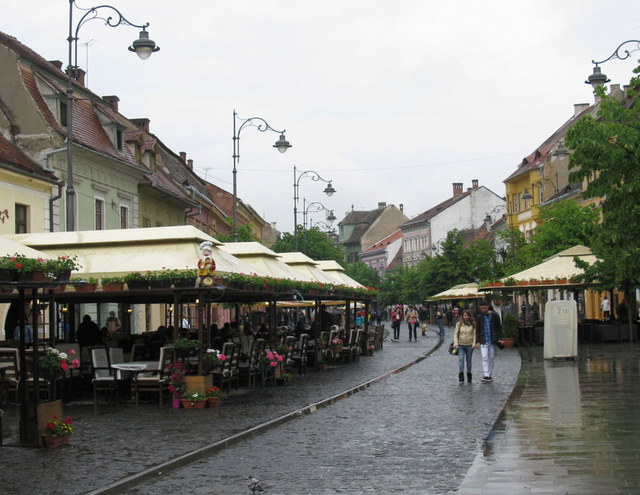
{"x":28,"y":333}
{"x":88,"y":332}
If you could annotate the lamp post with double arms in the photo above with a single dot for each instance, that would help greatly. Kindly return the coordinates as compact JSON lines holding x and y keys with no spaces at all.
{"x":297,"y":177}
{"x":143,"y":47}
{"x":259,"y":123}
{"x":307,"y":209}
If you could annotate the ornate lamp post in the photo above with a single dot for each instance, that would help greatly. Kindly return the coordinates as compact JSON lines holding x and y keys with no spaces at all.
{"x":297,"y":177}
{"x":259,"y":123}
{"x":143,"y":46}
{"x":306,"y":210}
{"x":597,"y":78}
{"x":489,"y":219}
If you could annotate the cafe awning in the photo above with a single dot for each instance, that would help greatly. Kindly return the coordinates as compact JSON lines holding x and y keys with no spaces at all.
{"x":105,"y":253}
{"x":556,"y":271}
{"x":264,"y":260}
{"x":307,"y":266}
{"x":9,"y":247}
{"x":461,"y":291}
{"x":336,"y":272}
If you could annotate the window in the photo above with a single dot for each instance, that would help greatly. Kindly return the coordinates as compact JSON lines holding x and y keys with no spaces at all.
{"x":99,"y":214}
{"x":146,"y":223}
{"x":119,"y":139}
{"x":63,"y":113}
{"x":22,"y":219}
{"x":124,"y":217}
{"x":514,"y":202}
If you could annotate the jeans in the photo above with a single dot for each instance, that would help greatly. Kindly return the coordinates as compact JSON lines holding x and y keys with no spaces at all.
{"x":441,"y":327}
{"x":413,"y":330}
{"x":488,"y":352}
{"x":396,"y":330}
{"x":464,"y":354}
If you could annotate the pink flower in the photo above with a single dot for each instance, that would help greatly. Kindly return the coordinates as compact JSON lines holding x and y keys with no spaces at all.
{"x":279,"y":357}
{"x":270,"y":355}
{"x":71,"y":351}
{"x":222,"y":357}
{"x":75,"y":363}
{"x":273,"y":364}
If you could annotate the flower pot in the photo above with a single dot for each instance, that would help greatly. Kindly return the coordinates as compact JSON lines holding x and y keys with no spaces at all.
{"x":508,"y":342}
{"x":213,"y":401}
{"x":184,"y":282}
{"x":159,"y":284}
{"x":56,"y":440}
{"x":187,"y":404}
{"x":175,"y":402}
{"x":60,"y":288}
{"x":323,"y":367}
{"x":138,"y":285}
{"x":9,"y":275}
{"x":85,"y":287}
{"x":64,"y":276}
{"x":36,"y":276}
{"x":113,"y":286}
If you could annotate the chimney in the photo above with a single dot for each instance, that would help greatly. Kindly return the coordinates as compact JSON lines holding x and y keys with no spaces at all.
{"x":381,"y":205}
{"x":457,"y":189}
{"x":474,"y":183}
{"x":183,"y":156}
{"x":79,"y":75}
{"x":56,"y":63}
{"x":190,"y":163}
{"x":579,"y":107}
{"x":112,"y":100}
{"x":142,"y":123}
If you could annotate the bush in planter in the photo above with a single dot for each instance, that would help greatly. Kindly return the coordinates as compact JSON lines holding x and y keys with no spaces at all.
{"x":509,"y":326}
{"x":186,"y":347}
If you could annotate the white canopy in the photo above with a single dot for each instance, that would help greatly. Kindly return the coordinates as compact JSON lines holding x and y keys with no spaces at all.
{"x":264,"y":260}
{"x":104,"y":253}
{"x":336,"y":272}
{"x":307,"y":266}
{"x":461,"y":291}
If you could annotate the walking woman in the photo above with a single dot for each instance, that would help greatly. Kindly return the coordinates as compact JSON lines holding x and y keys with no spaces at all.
{"x":464,"y":339}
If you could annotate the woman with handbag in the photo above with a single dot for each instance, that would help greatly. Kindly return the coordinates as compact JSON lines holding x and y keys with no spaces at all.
{"x":464,"y":340}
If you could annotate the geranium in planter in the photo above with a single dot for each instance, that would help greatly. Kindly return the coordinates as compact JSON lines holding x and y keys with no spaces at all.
{"x":54,"y":364}
{"x":112,"y":283}
{"x":137,"y":280}
{"x":214,"y":394}
{"x":185,"y":347}
{"x":177,"y":385}
{"x":84,"y":285}
{"x":58,"y":431}
{"x":184,"y":278}
{"x":212,"y":358}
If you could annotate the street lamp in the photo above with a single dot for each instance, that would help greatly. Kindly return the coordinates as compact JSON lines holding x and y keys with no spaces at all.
{"x":597,"y":78}
{"x":527,"y":195}
{"x":488,"y":219}
{"x":259,"y":123}
{"x":315,"y":176}
{"x":319,"y":207}
{"x":143,"y":47}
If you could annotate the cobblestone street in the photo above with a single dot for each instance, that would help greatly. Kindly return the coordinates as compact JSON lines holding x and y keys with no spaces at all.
{"x":417,"y":431}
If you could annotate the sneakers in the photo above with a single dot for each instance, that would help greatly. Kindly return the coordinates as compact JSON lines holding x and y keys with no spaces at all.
{"x":486,"y":379}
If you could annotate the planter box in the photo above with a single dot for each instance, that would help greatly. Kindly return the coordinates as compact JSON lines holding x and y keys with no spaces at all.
{"x":198,"y":383}
{"x":46,"y":410}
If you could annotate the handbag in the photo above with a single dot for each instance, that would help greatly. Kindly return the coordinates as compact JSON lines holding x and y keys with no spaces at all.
{"x":452,"y":350}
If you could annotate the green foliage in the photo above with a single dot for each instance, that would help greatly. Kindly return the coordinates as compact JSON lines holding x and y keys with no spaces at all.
{"x":564,"y":225}
{"x":361,"y":273}
{"x":606,"y":154}
{"x":312,"y":242}
{"x":245,"y":233}
{"x":509,"y":326}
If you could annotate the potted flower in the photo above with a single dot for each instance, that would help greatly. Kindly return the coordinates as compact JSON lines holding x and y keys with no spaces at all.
{"x":60,"y":268}
{"x":212,"y":358}
{"x":193,"y":400}
{"x":58,"y":431}
{"x":10,"y":268}
{"x":53,"y":363}
{"x":509,"y":330}
{"x":214,"y":394}
{"x":177,"y":385}
{"x":185,"y":347}
{"x":160,"y":279}
{"x":112,"y":283}
{"x":84,"y":285}
{"x":137,"y":280}
{"x":185,"y":278}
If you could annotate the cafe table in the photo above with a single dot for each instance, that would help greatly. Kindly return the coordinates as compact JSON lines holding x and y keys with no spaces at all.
{"x":135,"y":368}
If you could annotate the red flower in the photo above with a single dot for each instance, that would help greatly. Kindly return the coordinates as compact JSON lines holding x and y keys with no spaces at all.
{"x":64,"y":365}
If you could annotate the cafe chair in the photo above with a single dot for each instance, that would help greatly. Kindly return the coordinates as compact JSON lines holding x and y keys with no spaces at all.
{"x":300,"y":353}
{"x":104,"y":377}
{"x":228,"y":372}
{"x":116,"y":355}
{"x":9,"y":360}
{"x":249,"y":369}
{"x":156,"y":381}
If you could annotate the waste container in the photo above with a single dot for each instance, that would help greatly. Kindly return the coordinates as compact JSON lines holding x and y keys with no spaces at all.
{"x":560,"y":330}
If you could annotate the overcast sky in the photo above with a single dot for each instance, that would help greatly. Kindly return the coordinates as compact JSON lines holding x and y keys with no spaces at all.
{"x":392,"y":100}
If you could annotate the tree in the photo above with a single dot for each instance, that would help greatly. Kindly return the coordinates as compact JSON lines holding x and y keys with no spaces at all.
{"x":245,"y":233}
{"x":363,"y":274}
{"x":606,"y":154}
{"x":312,"y":242}
{"x":564,"y":225}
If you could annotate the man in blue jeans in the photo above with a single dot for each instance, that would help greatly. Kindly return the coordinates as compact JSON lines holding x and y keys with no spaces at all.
{"x":488,"y":335}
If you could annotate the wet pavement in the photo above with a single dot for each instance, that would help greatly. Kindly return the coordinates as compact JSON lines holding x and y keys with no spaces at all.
{"x":567,"y":428}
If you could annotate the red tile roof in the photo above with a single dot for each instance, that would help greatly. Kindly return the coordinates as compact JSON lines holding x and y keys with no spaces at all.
{"x":12,"y":156}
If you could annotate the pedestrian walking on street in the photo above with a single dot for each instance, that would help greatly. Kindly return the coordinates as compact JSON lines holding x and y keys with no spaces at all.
{"x":423,"y":316}
{"x":396,"y":318}
{"x":412,"y":321}
{"x":464,"y":339}
{"x":488,"y":336}
{"x":440,"y":319}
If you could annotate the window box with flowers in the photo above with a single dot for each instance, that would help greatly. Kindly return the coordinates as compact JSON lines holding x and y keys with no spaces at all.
{"x":184,"y":278}
{"x":137,"y":280}
{"x":193,"y":400}
{"x":84,"y":285}
{"x":112,"y":283}
{"x":58,"y":431}
{"x":160,"y":279}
